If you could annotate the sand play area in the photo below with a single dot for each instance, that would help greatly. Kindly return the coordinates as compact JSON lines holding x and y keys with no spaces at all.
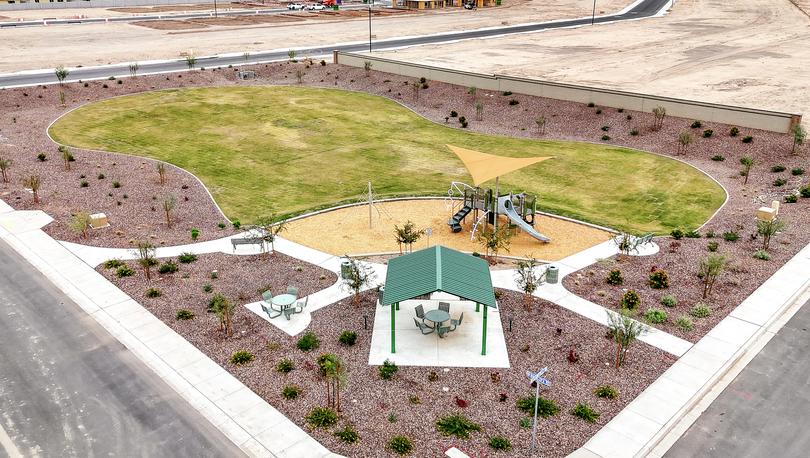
{"x":346,"y":231}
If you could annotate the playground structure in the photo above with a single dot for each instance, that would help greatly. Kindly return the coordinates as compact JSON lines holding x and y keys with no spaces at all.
{"x":520,"y":209}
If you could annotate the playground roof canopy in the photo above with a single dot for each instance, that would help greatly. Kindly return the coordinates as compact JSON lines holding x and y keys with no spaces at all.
{"x":438,"y":269}
{"x":484,"y":167}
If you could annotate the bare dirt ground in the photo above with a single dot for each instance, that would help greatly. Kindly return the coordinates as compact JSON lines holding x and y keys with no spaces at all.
{"x":739,"y":53}
{"x":100,"y":44}
{"x":69,"y":13}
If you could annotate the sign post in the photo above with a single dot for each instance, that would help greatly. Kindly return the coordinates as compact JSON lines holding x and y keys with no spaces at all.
{"x":428,"y":232}
{"x":537,"y":379}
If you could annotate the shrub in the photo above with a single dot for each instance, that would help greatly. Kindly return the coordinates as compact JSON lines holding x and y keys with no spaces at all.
{"x":631,"y":300}
{"x":696,"y":124}
{"x":731,"y":236}
{"x":748,"y":139}
{"x":462,"y":119}
{"x":791,"y":198}
{"x":507,"y":93}
{"x":633,"y":132}
{"x":655,"y":316}
{"x":453,"y":114}
{"x":153,"y":292}
{"x":500,"y":443}
{"x":614,"y":277}
{"x":322,"y":417}
{"x":797,"y":171}
{"x":240,"y":357}
{"x":456,"y":425}
{"x":700,"y":310}
{"x":348,"y":338}
{"x":718,"y":158}
{"x":84,"y":184}
{"x":605,"y":128}
{"x":605,"y":138}
{"x":677,"y":234}
{"x":388,"y":369}
{"x":684,"y":323}
{"x":195,"y":233}
{"x":525,"y":422}
{"x":187,"y":258}
{"x":113,"y":263}
{"x":606,"y":391}
{"x":116,"y":184}
{"x":42,"y":157}
{"x":221,"y":225}
{"x":591,"y":104}
{"x":400,"y":445}
{"x":347,"y":435}
{"x":236,"y":224}
{"x":207,"y":287}
{"x":733,"y":132}
{"x":308,"y":342}
{"x":805,"y":191}
{"x":707,"y":133}
{"x":778,"y":168}
{"x":712,"y":246}
{"x":290,"y":392}
{"x":779,"y":182}
{"x":762,"y":255}
{"x":659,"y":279}
{"x":545,"y":407}
{"x":184,"y":314}
{"x":285,"y":366}
{"x":668,"y":300}
{"x":693,"y":234}
{"x":586,"y":413}
{"x":216,"y":302}
{"x":124,"y":271}
{"x":167,"y":267}
{"x":514,"y":102}
{"x":598,"y":111}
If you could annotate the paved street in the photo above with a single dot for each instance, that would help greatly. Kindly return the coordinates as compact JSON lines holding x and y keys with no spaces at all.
{"x":766,"y":409}
{"x":69,"y":389}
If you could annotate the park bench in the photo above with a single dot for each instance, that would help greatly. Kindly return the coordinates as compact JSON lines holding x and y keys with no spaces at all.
{"x":246,"y":241}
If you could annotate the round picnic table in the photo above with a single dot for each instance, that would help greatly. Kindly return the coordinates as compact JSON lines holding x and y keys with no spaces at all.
{"x":284,"y":300}
{"x":437,"y":316}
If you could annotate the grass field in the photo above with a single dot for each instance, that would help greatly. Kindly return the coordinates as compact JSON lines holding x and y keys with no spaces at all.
{"x":294,"y":149}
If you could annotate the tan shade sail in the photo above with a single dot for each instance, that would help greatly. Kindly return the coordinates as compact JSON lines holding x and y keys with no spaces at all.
{"x":484,"y":167}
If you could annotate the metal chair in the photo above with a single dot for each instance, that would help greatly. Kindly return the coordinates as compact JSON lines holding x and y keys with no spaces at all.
{"x":420,"y":312}
{"x":292,"y":290}
{"x":267,"y":305}
{"x":444,"y":306}
{"x":425,"y":329}
{"x":442,"y":330}
{"x":300,"y":306}
{"x":456,"y":323}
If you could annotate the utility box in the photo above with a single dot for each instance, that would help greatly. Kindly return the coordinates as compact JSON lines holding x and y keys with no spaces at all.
{"x":552,"y":274}
{"x":98,"y":220}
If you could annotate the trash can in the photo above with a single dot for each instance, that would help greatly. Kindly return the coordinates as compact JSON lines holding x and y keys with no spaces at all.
{"x":552,"y":274}
{"x":345,"y":269}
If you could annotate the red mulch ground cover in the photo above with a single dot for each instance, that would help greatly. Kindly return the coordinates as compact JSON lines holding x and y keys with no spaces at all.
{"x":543,"y":336}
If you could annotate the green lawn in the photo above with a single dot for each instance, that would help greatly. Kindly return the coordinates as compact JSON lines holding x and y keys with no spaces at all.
{"x":298,"y":149}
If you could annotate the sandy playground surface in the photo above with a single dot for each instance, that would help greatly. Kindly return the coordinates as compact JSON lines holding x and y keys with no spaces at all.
{"x":346,"y":231}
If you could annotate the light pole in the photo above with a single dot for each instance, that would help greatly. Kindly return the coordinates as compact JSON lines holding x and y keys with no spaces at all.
{"x":370,"y":2}
{"x":215,"y":8}
{"x":593,"y":14}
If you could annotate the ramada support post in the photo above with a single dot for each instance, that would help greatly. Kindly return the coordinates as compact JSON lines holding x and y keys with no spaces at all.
{"x":394,"y":308}
{"x":484,"y":340}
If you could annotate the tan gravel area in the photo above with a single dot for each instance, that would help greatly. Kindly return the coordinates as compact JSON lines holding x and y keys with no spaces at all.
{"x":347,"y":231}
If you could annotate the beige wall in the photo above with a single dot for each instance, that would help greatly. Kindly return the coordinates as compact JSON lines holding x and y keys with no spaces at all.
{"x":737,"y":116}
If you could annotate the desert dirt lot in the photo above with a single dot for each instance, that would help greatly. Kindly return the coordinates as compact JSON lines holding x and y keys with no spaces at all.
{"x":748,"y":53}
{"x":99,"y":44}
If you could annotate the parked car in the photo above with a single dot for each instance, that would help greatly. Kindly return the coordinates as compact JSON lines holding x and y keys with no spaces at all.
{"x":296,"y":6}
{"x":469,"y":6}
{"x":316,"y":7}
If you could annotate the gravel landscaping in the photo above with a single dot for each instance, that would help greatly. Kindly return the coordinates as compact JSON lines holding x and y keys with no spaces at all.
{"x":409,"y":403}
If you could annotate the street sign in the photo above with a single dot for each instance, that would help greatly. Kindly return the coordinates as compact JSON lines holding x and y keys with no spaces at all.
{"x":536,"y":379}
{"x":543,"y":381}
{"x":534,"y":376}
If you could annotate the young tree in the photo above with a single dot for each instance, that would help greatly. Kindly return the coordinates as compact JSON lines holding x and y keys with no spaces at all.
{"x":291,"y":54}
{"x":133,"y":69}
{"x":169,"y":202}
{"x":627,"y":243}
{"x":747,"y":162}
{"x":367,"y":67}
{"x":61,"y":74}
{"x":267,"y":229}
{"x":799,"y":136}
{"x":416,"y":85}
{"x":223,"y":309}
{"x":495,"y":240}
{"x":33,"y":182}
{"x":333,"y":371}
{"x":161,"y":170}
{"x":625,"y":331}
{"x":299,"y":75}
{"x":407,"y":235}
{"x":5,"y":164}
{"x":768,"y":229}
{"x":660,"y":113}
{"x":80,"y":223}
{"x":479,"y":111}
{"x":684,"y":140}
{"x":472,"y":91}
{"x":145,"y":253}
{"x":67,"y":156}
{"x":527,"y":278}
{"x":709,"y":270}
{"x":62,"y":98}
{"x":541,"y":124}
{"x":359,"y":276}
{"x":191,"y":61}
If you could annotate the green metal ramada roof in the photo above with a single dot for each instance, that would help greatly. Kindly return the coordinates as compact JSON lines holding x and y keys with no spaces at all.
{"x":438,"y":268}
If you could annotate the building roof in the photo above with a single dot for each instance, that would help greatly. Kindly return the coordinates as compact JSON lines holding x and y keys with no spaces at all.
{"x":438,"y":269}
{"x":484,"y":167}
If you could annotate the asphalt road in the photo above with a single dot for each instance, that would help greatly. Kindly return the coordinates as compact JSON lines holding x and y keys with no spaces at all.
{"x":69,"y":389}
{"x":646,"y":8}
{"x":765,"y":411}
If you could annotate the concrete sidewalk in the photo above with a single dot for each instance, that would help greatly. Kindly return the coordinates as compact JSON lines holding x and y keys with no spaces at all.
{"x":245,"y":418}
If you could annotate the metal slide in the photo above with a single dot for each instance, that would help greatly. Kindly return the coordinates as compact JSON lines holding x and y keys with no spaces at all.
{"x":505,"y":206}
